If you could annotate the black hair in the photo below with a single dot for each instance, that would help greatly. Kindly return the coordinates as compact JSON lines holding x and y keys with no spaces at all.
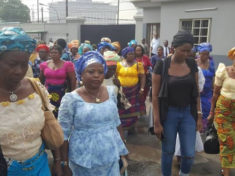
{"x":160,"y":47}
{"x":58,"y":48}
{"x":181,"y":38}
{"x":142,"y":49}
{"x":94,"y":46}
{"x":61,"y":42}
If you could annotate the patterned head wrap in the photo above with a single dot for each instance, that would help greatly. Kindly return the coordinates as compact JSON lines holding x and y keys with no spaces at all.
{"x":102,"y":45}
{"x":117,"y":46}
{"x":73,"y":44}
{"x":127,"y":50}
{"x":231,"y":54}
{"x":87,"y":59}
{"x":105,"y":39}
{"x":14,"y":38}
{"x":204,"y":47}
{"x":84,"y":45}
{"x":132,"y":42}
{"x":42,"y":46}
{"x":111,"y":57}
{"x":87,"y":41}
{"x":181,"y":38}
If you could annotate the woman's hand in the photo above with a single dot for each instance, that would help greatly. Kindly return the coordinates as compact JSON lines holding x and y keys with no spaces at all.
{"x":158,"y":130}
{"x":199,"y":124}
{"x":67,"y":171}
{"x":57,"y":169}
{"x":141,"y":93}
{"x":210,"y":118}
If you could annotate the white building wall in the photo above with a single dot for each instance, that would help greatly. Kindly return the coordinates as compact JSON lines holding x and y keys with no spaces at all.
{"x":55,"y":31}
{"x":68,"y":31}
{"x":152,"y":15}
{"x":94,"y":13}
{"x":138,"y":28}
{"x":222,"y":26}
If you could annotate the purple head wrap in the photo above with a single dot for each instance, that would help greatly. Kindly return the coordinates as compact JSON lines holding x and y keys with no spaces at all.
{"x":127,"y":50}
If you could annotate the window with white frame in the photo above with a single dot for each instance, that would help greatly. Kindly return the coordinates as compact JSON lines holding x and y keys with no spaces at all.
{"x":200,"y":28}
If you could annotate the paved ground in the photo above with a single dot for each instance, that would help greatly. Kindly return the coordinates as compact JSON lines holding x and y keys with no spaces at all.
{"x":144,"y":157}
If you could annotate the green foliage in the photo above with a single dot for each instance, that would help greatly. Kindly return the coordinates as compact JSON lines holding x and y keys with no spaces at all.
{"x":14,"y":11}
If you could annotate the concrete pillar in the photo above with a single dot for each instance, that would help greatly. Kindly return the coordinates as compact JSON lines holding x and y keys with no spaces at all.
{"x":139,"y":28}
{"x":74,"y":28}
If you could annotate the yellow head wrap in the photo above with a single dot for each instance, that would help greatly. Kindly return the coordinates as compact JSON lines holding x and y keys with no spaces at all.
{"x":231,"y":53}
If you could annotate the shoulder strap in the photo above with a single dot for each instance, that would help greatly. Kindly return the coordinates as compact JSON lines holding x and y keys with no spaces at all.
{"x":39,"y":92}
{"x":163,"y":69}
{"x":163,"y":92}
{"x":165,"y":66}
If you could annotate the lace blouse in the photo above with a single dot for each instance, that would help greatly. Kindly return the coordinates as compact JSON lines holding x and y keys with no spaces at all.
{"x":228,"y":84}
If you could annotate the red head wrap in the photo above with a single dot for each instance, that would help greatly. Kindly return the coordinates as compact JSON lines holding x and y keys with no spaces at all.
{"x":42,"y":46}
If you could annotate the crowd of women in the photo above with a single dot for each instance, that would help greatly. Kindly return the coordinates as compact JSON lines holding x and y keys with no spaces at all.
{"x":100,"y":92}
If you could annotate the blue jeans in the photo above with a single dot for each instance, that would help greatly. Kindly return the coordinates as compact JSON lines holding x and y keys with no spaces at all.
{"x":178,"y":120}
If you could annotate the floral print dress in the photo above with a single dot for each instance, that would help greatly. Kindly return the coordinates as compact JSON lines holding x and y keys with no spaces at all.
{"x":225,"y":117}
{"x":95,"y":144}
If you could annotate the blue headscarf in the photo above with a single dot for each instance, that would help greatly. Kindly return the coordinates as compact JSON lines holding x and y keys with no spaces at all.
{"x":127,"y":50}
{"x":86,"y":59}
{"x":204,"y":47}
{"x":15,"y":39}
{"x":132,"y":42}
{"x":102,"y":45}
{"x":84,"y":45}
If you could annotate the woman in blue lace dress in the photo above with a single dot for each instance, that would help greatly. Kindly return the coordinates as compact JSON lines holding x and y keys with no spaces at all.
{"x":206,"y":63}
{"x":89,"y":118}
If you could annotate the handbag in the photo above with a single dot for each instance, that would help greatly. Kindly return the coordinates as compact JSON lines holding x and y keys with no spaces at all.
{"x":122,"y":100}
{"x":3,"y":164}
{"x":211,"y":144}
{"x":52,"y":133}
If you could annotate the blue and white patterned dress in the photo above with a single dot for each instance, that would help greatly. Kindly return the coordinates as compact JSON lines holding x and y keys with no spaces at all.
{"x":94,"y":141}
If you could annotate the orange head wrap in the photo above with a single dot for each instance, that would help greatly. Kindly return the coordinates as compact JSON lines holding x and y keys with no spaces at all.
{"x":117,"y":45}
{"x":231,"y":53}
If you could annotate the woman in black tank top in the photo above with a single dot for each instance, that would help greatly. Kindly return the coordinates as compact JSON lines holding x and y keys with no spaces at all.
{"x":175,"y":107}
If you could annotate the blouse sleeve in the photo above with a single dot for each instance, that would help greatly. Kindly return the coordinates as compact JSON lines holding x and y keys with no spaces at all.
{"x":66,"y":114}
{"x":220,"y":74}
{"x":140,"y":68}
{"x":118,"y":68}
{"x":69,"y":66}
{"x":117,"y":121}
{"x":43,"y":66}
